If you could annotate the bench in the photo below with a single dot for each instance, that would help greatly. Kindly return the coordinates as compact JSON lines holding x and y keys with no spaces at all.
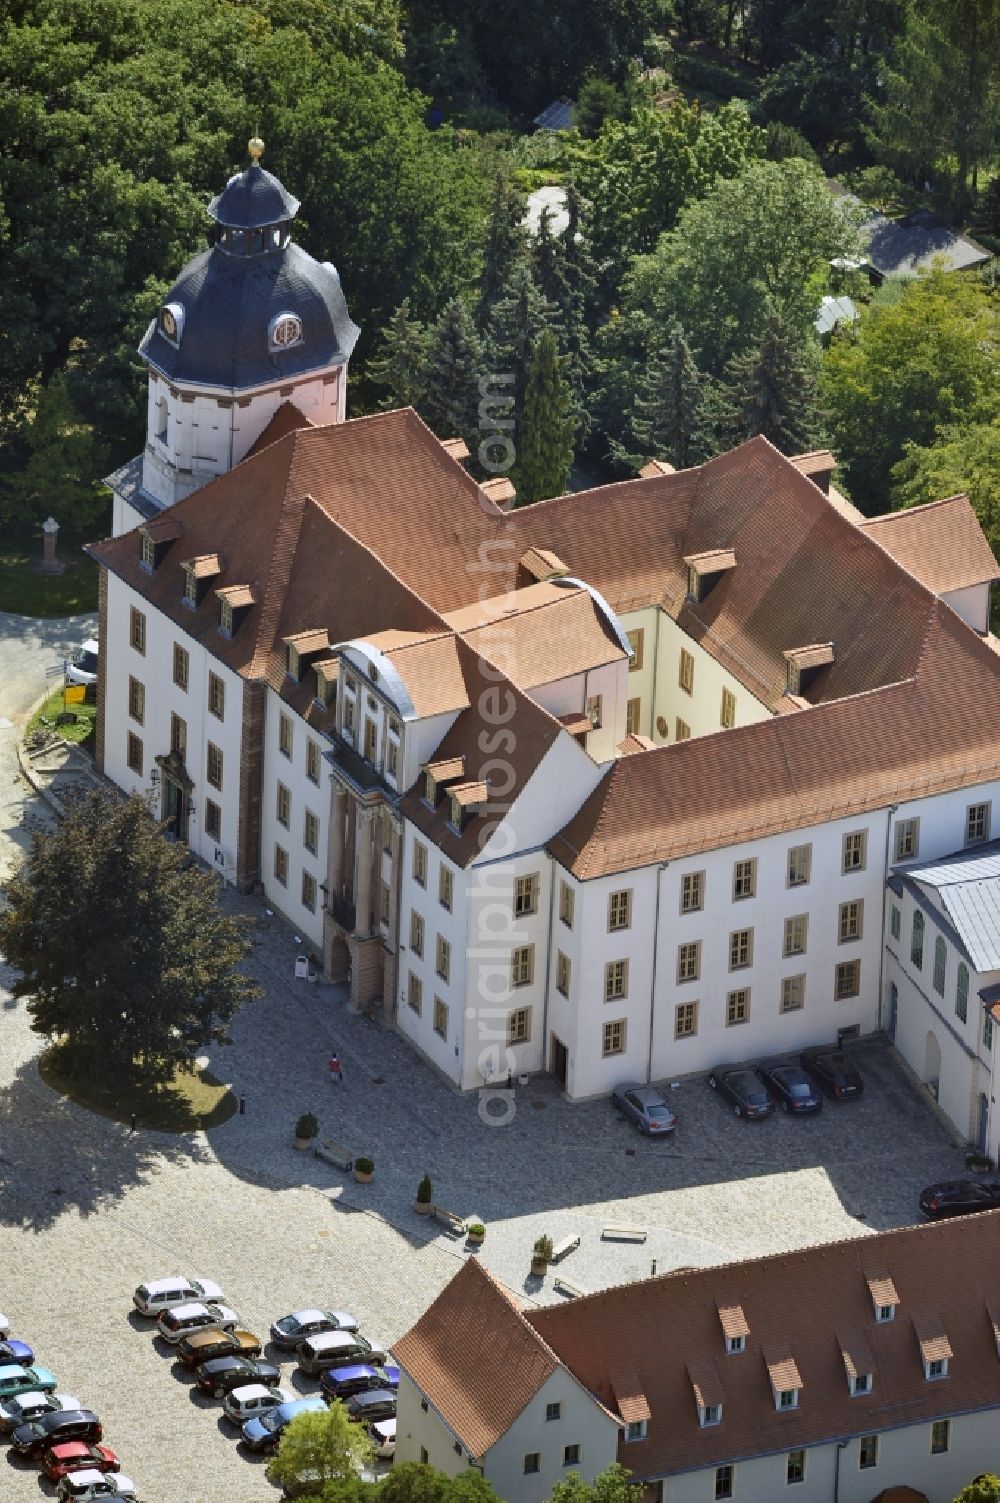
{"x":564,"y":1248}
{"x":623,"y":1234}
{"x":335,"y":1153}
{"x":449,"y":1220}
{"x":564,"y":1286}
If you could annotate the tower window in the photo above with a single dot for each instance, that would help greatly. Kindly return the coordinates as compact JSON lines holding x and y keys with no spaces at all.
{"x":161,"y":420}
{"x":285,"y":331}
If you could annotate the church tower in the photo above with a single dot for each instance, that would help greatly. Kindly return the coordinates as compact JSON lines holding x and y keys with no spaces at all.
{"x":250,"y":324}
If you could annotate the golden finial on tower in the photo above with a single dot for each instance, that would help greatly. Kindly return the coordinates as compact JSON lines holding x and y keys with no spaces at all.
{"x":255,"y":147}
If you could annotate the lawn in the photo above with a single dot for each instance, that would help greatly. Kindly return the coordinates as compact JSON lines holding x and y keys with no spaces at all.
{"x":74,"y":730}
{"x":25,"y":593}
{"x":192,"y":1100}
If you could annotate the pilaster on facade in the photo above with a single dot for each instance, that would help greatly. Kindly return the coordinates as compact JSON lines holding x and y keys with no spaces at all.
{"x":248,"y":838}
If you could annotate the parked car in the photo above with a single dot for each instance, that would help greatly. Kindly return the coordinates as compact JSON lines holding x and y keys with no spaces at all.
{"x":957,"y":1197}
{"x":222,"y":1374}
{"x":359,"y":1377}
{"x":22,"y":1407}
{"x":174,"y":1325}
{"x":16,"y":1379}
{"x":292,"y":1329}
{"x":156,"y":1295}
{"x":376,"y":1404}
{"x":18,"y":1352}
{"x":69,"y":1424}
{"x":253,"y":1399}
{"x":383,"y":1434}
{"x":791,"y":1086}
{"x":743,"y":1090}
{"x":76,"y":1455}
{"x":336,"y":1349}
{"x":81,"y":668}
{"x":830,"y":1067}
{"x":264,"y":1431}
{"x":202,"y":1346}
{"x":89,"y":1485}
{"x":645,"y":1108}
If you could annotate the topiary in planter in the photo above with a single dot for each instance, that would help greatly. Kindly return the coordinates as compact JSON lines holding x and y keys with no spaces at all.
{"x":425,"y":1195}
{"x":364,"y":1168}
{"x":475,"y":1231}
{"x":540,"y":1254}
{"x":306,"y":1128}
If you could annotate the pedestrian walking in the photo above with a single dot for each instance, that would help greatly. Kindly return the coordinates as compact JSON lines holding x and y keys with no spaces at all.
{"x":336,"y":1070}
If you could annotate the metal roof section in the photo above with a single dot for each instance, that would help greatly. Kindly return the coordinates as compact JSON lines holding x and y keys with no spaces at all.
{"x":968,"y":888}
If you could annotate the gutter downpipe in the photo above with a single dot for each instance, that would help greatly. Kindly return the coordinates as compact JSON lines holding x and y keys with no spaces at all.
{"x":841,"y":1446}
{"x":885,"y":899}
{"x":652,"y":988}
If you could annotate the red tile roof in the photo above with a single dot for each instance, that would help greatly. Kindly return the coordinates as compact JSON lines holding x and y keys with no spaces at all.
{"x":941,"y":544}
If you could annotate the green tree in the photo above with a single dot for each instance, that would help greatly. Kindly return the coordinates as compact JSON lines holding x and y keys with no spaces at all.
{"x":63,"y":466}
{"x":452,"y":370}
{"x":962,"y":457}
{"x":515,"y":328}
{"x":610,"y":1486}
{"x":121,"y":950}
{"x":545,"y":451}
{"x":984,"y":1489}
{"x":771,"y":390}
{"x":925,"y":359}
{"x":676,"y":414}
{"x":323,"y":1447}
{"x":410,"y":1482}
{"x":505,"y":245}
{"x":401,"y":364}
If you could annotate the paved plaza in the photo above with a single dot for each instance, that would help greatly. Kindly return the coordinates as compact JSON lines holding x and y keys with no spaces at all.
{"x":87,"y":1210}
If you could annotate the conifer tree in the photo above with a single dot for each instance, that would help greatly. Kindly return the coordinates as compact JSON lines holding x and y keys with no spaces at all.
{"x":561,"y":280}
{"x":401,"y":364}
{"x":505,"y":245}
{"x":545,"y":450}
{"x":676,"y":412}
{"x":452,"y":370}
{"x":517,"y":323}
{"x":772,"y":389}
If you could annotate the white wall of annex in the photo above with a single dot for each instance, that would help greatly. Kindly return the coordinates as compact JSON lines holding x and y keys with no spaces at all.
{"x":305,"y":794}
{"x":972,"y":604}
{"x":445,"y":1051}
{"x":581,"y":1423}
{"x":702,"y":709}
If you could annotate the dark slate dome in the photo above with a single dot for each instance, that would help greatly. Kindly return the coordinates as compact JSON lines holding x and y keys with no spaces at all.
{"x":251,"y":200}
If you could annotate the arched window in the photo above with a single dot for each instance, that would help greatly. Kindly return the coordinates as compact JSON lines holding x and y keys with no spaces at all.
{"x":917,"y":940}
{"x":161,"y":420}
{"x":940,"y":964}
{"x":285,"y":330}
{"x":962,"y":993}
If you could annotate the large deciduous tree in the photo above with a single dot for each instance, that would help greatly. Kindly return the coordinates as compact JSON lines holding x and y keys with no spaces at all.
{"x":611,"y":1486}
{"x":321,"y":1447}
{"x":121,"y":950}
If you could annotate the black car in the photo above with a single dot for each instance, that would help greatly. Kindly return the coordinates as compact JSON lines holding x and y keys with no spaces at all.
{"x":791,"y":1086}
{"x":739,"y":1084}
{"x":830,"y":1067}
{"x":52,"y":1429}
{"x":222,"y":1374}
{"x":957,"y":1197}
{"x":376,"y":1404}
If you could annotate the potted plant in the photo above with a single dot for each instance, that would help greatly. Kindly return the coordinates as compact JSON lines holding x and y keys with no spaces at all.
{"x":475,"y":1231}
{"x":364,"y":1168}
{"x":425,"y":1195}
{"x":540,"y":1255}
{"x":306,"y":1129}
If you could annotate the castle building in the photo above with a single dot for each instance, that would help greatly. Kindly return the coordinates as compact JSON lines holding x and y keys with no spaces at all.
{"x":617,"y":785}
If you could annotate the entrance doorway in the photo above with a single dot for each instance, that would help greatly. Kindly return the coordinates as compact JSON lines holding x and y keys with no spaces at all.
{"x":558,"y":1059}
{"x":175,"y":810}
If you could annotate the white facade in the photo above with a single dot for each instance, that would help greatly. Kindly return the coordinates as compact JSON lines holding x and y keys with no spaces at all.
{"x":295,"y":813}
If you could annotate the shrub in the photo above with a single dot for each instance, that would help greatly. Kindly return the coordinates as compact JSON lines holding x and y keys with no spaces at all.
{"x":475,"y":1229}
{"x":364,"y":1165}
{"x":425,"y":1191}
{"x":697,"y":73}
{"x":307,"y":1126}
{"x":784,"y":141}
{"x":542,"y":1250}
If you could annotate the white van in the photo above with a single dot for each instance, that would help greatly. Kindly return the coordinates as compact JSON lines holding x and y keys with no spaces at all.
{"x":163,"y":1294}
{"x":333,"y":1349}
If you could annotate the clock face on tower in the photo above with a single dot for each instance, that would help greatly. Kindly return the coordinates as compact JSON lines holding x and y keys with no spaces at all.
{"x":168,"y":323}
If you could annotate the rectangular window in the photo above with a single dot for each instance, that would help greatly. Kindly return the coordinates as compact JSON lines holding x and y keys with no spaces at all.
{"x":213,"y":820}
{"x":309,"y":891}
{"x":940,"y":965}
{"x":392,"y":759}
{"x":446,"y":888}
{"x":907,"y":839}
{"x":553,"y":1412}
{"x":190,"y":591}
{"x":635,"y":1430}
{"x":310,"y":832}
{"x":987,"y":1017}
{"x":727,"y":715}
{"x":962,"y":993}
{"x":522,"y":965}
{"x":740,"y":949}
{"x":635,"y":641}
{"x":615,"y":980}
{"x":440,"y":1018}
{"x":682,"y":731}
{"x":562,"y":973}
{"x":571,"y":1455}
{"x":796,"y":934}
{"x":613,"y":1038}
{"x":633,"y":715}
{"x":526,"y":895}
{"x":133,"y":754}
{"x":795,"y":1467}
{"x":147,"y":551}
{"x":136,"y":700}
{"x":689,"y":961}
{"x":868,"y":1451}
{"x":519,"y":1026}
{"x":738,"y":1007}
{"x":178,"y":735}
{"x":419,"y":864}
{"x":940,"y":1437}
{"x":312,"y":761}
{"x":855,"y":845}
{"x":917,"y":940}
{"x":416,"y":933}
{"x":895,"y":922}
{"x":685,"y":675}
{"x":281,"y":865}
{"x":137,"y":631}
{"x":685,"y":1020}
{"x":799,"y":865}
{"x":532,"y":1463}
{"x":847,"y":980}
{"x":851,"y":921}
{"x":414,"y":993}
{"x":788,"y":1398}
{"x":214,"y":765}
{"x":182,"y":667}
{"x":285,"y":735}
{"x":744,"y":879}
{"x":566,"y":904}
{"x":619,"y":910}
{"x":724,"y":1479}
{"x":349,"y":720}
{"x":793,"y":993}
{"x":977,"y":823}
{"x":692,"y":892}
{"x":216,"y":696}
{"x":595,"y":711}
{"x":442,"y":963}
{"x":283,"y":806}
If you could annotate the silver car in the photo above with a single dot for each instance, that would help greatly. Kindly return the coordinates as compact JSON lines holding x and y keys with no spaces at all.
{"x":174,"y":1325}
{"x":22,"y":1407}
{"x":253,"y":1399}
{"x":646,"y":1108}
{"x":88,"y":1485}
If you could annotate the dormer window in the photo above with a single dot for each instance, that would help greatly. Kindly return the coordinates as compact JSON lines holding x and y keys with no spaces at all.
{"x":787,"y":1398}
{"x":197,"y":573}
{"x":326,"y":682}
{"x":858,"y":1362}
{"x":884,"y":1296}
{"x":171,"y":322}
{"x":885,"y":1313}
{"x":935,"y":1348}
{"x":147,"y":551}
{"x":430,"y":789}
{"x":861,"y":1383}
{"x":301,"y":651}
{"x":803,"y":663}
{"x":937,"y":1367}
{"x":234,"y":603}
{"x":735,"y":1344}
{"x":704,"y":570}
{"x":190,"y":587}
{"x":710,"y":1415}
{"x":734,"y":1328}
{"x":707,"y":1389}
{"x":225,"y":618}
{"x":284,"y":331}
{"x":454,"y":813}
{"x":635,"y":1430}
{"x":786,"y":1382}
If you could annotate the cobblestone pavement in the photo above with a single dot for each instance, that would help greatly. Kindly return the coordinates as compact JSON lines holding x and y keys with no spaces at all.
{"x":87,"y":1210}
